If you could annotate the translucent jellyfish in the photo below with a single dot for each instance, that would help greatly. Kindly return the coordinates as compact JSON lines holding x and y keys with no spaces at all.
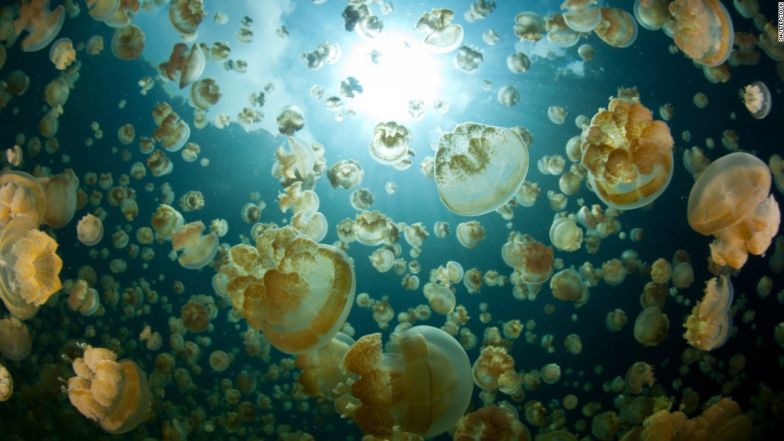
{"x":730,"y":200}
{"x":550,"y":373}
{"x":21,"y":196}
{"x":128,"y":43}
{"x":776,"y":166}
{"x":94,"y":45}
{"x":518,"y":62}
{"x":585,"y":51}
{"x":15,"y":339}
{"x":204,"y":93}
{"x":627,"y":154}
{"x":567,"y":285}
{"x":556,"y":114}
{"x":565,"y":234}
{"x":83,"y":298}
{"x":441,"y":35}
{"x":559,"y":33}
{"x":197,"y":251}
{"x":325,"y":53}
{"x":290,"y":120}
{"x":613,"y":272}
{"x":710,"y":322}
{"x":652,"y":14}
{"x":17,"y":83}
{"x":382,"y":259}
{"x":651,"y":326}
{"x":440,"y":297}
{"x":468,"y":59}
{"x":492,"y":423}
{"x":490,"y":37}
{"x":479,"y":168}
{"x":470,"y":233}
{"x":346,"y":174}
{"x":184,"y":65}
{"x":529,"y":26}
{"x":700,"y":100}
{"x":373,"y":228}
{"x":62,"y":53}
{"x":390,"y":142}
{"x":321,"y":371}
{"x":60,"y":193}
{"x":757,"y":99}
{"x":186,"y":15}
{"x":616,"y":320}
{"x":703,"y":30}
{"x":41,"y":23}
{"x":617,"y":28}
{"x":508,"y":96}
{"x":165,"y":221}
{"x":530,"y":258}
{"x":430,"y":388}
{"x":195,"y":316}
{"x":31,"y":269}
{"x":6,"y":384}
{"x":581,"y":15}
{"x":114,"y":394}
{"x":311,"y":223}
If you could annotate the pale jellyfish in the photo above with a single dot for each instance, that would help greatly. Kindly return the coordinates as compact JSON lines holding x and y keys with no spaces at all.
{"x":565,"y":234}
{"x":559,"y":33}
{"x":529,"y":26}
{"x":757,"y":99}
{"x":346,"y":174}
{"x":205,"y":93}
{"x":441,"y":35}
{"x":652,"y":14}
{"x":617,"y":28}
{"x":581,"y":15}
{"x":62,"y":53}
{"x":197,"y":251}
{"x":508,"y":96}
{"x":492,"y":364}
{"x":184,"y":65}
{"x":128,"y":43}
{"x":440,"y":297}
{"x":390,"y":142}
{"x":703,"y":30}
{"x":41,"y":23}
{"x":89,"y":230}
{"x":186,"y":16}
{"x":470,"y":233}
{"x":567,"y":285}
{"x":556,"y":114}
{"x":479,"y":168}
{"x":518,"y":62}
{"x":468,"y":59}
{"x":710,"y":322}
{"x":651,"y":326}
{"x":321,"y":368}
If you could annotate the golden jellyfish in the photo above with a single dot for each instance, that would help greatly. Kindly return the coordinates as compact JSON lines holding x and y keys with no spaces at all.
{"x":559,"y":33}
{"x":296,"y":291}
{"x":21,"y":196}
{"x":31,"y":268}
{"x":565,"y":234}
{"x":126,"y":133}
{"x":710,"y":322}
{"x":102,"y":10}
{"x":41,"y":23}
{"x":204,"y":93}
{"x":613,"y":272}
{"x":492,"y":423}
{"x":440,"y":297}
{"x":390,"y":143}
{"x":567,"y":285}
{"x":62,"y":53}
{"x":470,"y":233}
{"x":6,"y":384}
{"x":346,"y":174}
{"x":652,"y":14}
{"x":197,"y":251}
{"x":195,"y":316}
{"x":184,"y":65}
{"x":617,"y":28}
{"x":114,"y":394}
{"x":15,"y":339}
{"x":422,"y":383}
{"x":83,"y":298}
{"x":651,"y":326}
{"x":441,"y":35}
{"x":165,"y":221}
{"x":60,"y":193}
{"x":616,"y":320}
{"x":703,"y":30}
{"x":479,"y":168}
{"x":492,"y":364}
{"x":17,"y":83}
{"x":128,"y":43}
{"x":321,"y":371}
{"x":730,"y":200}
{"x":532,"y":260}
{"x":186,"y":16}
{"x":627,"y":154}
{"x":374,"y":228}
{"x":581,"y":15}
{"x":757,"y":99}
{"x":721,"y":421}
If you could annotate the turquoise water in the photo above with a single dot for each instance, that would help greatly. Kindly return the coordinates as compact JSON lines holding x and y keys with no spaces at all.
{"x":236,"y":161}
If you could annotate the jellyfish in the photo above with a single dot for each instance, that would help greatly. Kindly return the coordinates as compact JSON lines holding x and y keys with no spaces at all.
{"x":62,"y":53}
{"x":730,"y":200}
{"x":390,"y":142}
{"x":21,"y":196}
{"x":290,"y":120}
{"x":627,"y":154}
{"x":440,"y":297}
{"x":373,"y":228}
{"x":346,"y":174}
{"x":617,"y":28}
{"x":468,"y":59}
{"x":128,"y":43}
{"x":757,"y":99}
{"x":197,"y":251}
{"x":41,"y":23}
{"x":479,"y":168}
{"x":565,"y":234}
{"x":530,"y":258}
{"x":651,"y":326}
{"x":652,"y":14}
{"x":83,"y":298}
{"x":165,"y":221}
{"x":559,"y":33}
{"x":422,"y":383}
{"x":186,"y":15}
{"x":195,"y":316}
{"x":311,"y":223}
{"x":529,"y":26}
{"x":492,"y":423}
{"x":508,"y":96}
{"x":518,"y":62}
{"x":470,"y":233}
{"x":321,"y":368}
{"x":710,"y":322}
{"x":616,"y":320}
{"x":613,"y":272}
{"x":550,"y":373}
{"x":382,"y":259}
{"x":6,"y":384}
{"x":31,"y":269}
{"x":114,"y":394}
{"x":581,"y":15}
{"x":703,"y":30}
{"x":94,"y":45}
{"x":184,"y":64}
{"x":15,"y":339}
{"x":568,"y":286}
{"x":60,"y":193}
{"x":441,"y":35}
{"x":204,"y":93}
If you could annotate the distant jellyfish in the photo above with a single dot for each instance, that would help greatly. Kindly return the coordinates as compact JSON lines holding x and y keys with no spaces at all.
{"x":434,"y":387}
{"x":565,"y":234}
{"x":16,"y":342}
{"x":479,"y":168}
{"x":508,"y":96}
{"x":321,"y":368}
{"x":652,"y":14}
{"x":585,"y":51}
{"x":390,"y":142}
{"x":94,"y":45}
{"x":710,"y":322}
{"x":62,"y":53}
{"x":114,"y":394}
{"x":556,"y":114}
{"x":627,"y":154}
{"x":529,"y":26}
{"x":730,"y":200}
{"x":518,"y":62}
{"x":757,"y":99}
{"x":651,"y":326}
{"x":440,"y":297}
{"x":197,"y":251}
{"x":83,"y":298}
{"x":346,"y":174}
{"x":470,"y":233}
{"x":6,"y":384}
{"x":204,"y":93}
{"x":128,"y":43}
{"x":41,"y":23}
{"x":468,"y":59}
{"x":703,"y":30}
{"x":491,"y":365}
{"x":568,"y":286}
{"x":494,"y":423}
{"x":290,"y":120}
{"x":441,"y":35}
{"x":617,"y":28}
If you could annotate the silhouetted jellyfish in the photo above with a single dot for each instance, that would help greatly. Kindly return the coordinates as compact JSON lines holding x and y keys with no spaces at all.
{"x":6,"y":384}
{"x":21,"y":195}
{"x":31,"y":268}
{"x":321,"y":368}
{"x":710,"y":322}
{"x":627,"y":154}
{"x":530,"y":258}
{"x":442,"y":36}
{"x":113,"y":394}
{"x":652,"y":14}
{"x":42,"y":23}
{"x":128,"y":43}
{"x":492,"y":423}
{"x":617,"y":28}
{"x":703,"y":30}
{"x":60,"y":193}
{"x":651,"y":326}
{"x":730,"y":200}
{"x":422,"y":383}
{"x":15,"y":339}
{"x":479,"y":168}
{"x":757,"y":99}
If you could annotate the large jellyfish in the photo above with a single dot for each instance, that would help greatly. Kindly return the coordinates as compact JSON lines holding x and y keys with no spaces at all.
{"x":114,"y":394}
{"x":710,"y":322}
{"x":441,"y":35}
{"x":186,"y":15}
{"x":730,"y":200}
{"x":479,"y":168}
{"x":703,"y":30}
{"x":628,"y":155}
{"x":531,"y":259}
{"x":422,"y":383}
{"x":42,"y":23}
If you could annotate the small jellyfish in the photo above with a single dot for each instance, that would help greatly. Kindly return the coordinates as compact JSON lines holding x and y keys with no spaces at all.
{"x":581,"y":15}
{"x":441,"y":35}
{"x":290,"y":120}
{"x":757,"y":99}
{"x":390,"y":143}
{"x":346,"y":174}
{"x":617,"y":28}
{"x":441,"y":298}
{"x":470,"y":233}
{"x":197,"y":251}
{"x":710,"y":322}
{"x":508,"y":96}
{"x":62,"y":53}
{"x":567,"y":285}
{"x":565,"y":234}
{"x":494,"y":423}
{"x":556,"y":114}
{"x":518,"y":62}
{"x":703,"y":30}
{"x":128,"y":43}
{"x":83,"y":298}
{"x":651,"y":326}
{"x":468,"y":59}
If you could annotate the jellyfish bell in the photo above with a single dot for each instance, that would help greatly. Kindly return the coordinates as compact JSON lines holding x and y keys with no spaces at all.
{"x":757,"y":99}
{"x":21,"y":195}
{"x":559,"y":33}
{"x":193,"y":66}
{"x":479,"y":168}
{"x":703,"y":30}
{"x":441,"y":35}
{"x":617,"y":28}
{"x":60,"y":198}
{"x":652,"y":14}
{"x":581,"y":16}
{"x":6,"y":384}
{"x":62,"y":53}
{"x":710,"y":322}
{"x":102,"y":10}
{"x":321,"y":371}
{"x":127,"y":42}
{"x":390,"y":142}
{"x":41,"y":23}
{"x":432,"y":386}
{"x":16,"y":342}
{"x":529,"y":26}
{"x":186,"y":16}
{"x":204,"y":93}
{"x":197,"y":250}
